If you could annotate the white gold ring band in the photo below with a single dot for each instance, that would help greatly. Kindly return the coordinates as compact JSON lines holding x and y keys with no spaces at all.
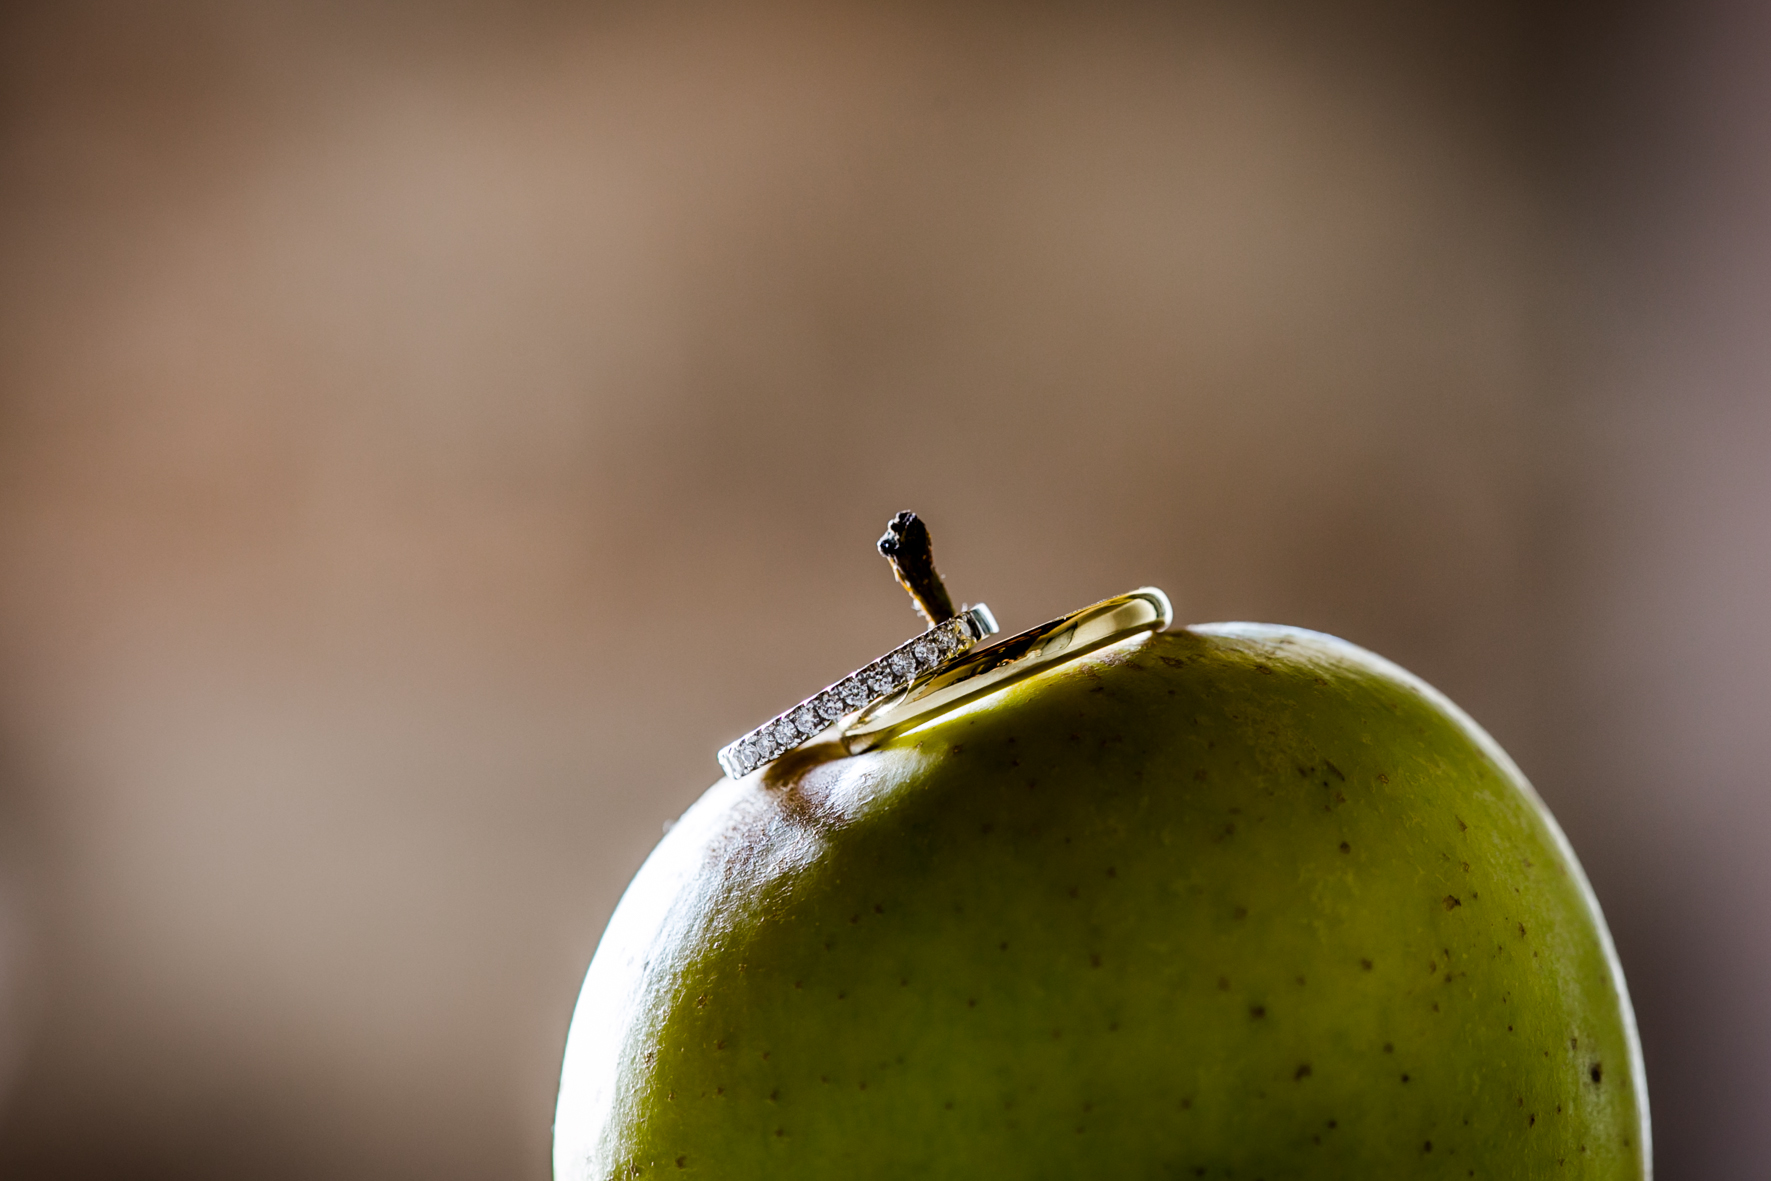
{"x":913,"y":661}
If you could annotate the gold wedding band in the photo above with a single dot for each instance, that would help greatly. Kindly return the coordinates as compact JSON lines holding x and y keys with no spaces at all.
{"x":990,"y":669}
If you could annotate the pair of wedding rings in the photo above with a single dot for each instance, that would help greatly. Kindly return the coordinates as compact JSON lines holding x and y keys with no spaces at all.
{"x":941,"y":670}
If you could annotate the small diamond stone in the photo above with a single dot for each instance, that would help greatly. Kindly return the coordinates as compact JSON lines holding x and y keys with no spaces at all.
{"x":924,"y":653}
{"x":879,"y":680}
{"x":854,"y":693}
{"x":806,"y":718}
{"x":786,"y":734}
{"x":902,"y":664}
{"x":829,"y":705}
{"x":763,"y":745}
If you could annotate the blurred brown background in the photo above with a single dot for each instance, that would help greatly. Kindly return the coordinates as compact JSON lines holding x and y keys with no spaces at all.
{"x":427,"y":432}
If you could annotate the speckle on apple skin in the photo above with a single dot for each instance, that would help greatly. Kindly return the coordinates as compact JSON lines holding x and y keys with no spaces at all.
{"x":993,"y":975}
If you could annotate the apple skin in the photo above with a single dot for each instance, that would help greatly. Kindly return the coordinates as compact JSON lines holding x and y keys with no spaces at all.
{"x":1232,"y":901}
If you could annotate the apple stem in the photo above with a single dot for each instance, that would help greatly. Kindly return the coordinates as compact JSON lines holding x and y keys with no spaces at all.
{"x":906,"y":546}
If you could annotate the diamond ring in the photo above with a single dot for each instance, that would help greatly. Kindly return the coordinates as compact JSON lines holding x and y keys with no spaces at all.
{"x":910,"y":663}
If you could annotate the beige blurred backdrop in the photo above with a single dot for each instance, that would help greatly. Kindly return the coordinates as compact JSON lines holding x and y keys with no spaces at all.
{"x":427,"y":432}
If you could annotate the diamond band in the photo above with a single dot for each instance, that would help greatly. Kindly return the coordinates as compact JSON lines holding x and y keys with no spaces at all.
{"x":896,"y":670}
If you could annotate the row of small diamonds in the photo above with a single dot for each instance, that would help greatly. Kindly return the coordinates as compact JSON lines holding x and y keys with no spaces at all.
{"x":888,"y":674}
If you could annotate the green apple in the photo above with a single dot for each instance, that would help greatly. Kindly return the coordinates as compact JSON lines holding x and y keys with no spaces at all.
{"x":1232,"y":901}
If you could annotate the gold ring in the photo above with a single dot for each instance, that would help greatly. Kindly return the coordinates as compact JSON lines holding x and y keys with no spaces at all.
{"x":987,"y":670}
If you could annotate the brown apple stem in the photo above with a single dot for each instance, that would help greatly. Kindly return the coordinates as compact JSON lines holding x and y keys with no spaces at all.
{"x":906,"y":546}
